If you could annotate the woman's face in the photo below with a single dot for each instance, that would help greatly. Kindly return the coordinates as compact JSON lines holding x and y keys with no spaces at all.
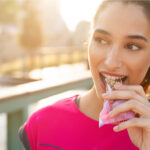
{"x":119,"y":46}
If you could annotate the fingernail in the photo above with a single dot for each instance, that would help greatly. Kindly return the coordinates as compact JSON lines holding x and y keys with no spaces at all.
{"x":116,"y":128}
{"x":118,"y":85}
{"x":106,"y":94}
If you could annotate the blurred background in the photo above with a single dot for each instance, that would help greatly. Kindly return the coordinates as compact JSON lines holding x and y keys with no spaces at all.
{"x":40,"y":40}
{"x":35,"y":34}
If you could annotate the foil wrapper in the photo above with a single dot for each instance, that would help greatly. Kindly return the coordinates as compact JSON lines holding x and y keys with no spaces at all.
{"x":110,"y":104}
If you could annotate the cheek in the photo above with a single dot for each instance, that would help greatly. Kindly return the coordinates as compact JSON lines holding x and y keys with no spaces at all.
{"x":92,"y":55}
{"x":138,"y":71}
{"x":96,"y":55}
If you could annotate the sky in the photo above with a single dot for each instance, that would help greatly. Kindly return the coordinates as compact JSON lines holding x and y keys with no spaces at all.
{"x":74,"y":11}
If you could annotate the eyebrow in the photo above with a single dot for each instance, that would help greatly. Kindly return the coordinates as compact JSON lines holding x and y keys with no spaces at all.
{"x":137,"y":37}
{"x":102,"y":31}
{"x":129,"y":36}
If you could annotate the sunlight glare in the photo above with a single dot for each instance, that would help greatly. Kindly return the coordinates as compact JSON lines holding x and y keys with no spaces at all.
{"x":74,"y":11}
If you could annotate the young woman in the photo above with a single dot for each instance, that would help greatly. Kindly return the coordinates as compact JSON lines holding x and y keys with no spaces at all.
{"x":119,"y":47}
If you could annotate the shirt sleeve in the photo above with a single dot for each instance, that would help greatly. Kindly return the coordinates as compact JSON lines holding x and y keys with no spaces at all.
{"x":28,"y":133}
{"x":24,"y":139}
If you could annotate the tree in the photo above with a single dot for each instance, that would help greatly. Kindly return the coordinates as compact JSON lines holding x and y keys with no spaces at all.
{"x":9,"y":11}
{"x":31,"y":37}
{"x":9,"y":15}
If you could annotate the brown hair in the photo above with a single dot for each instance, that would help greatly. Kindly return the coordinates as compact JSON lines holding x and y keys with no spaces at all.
{"x":145,"y":4}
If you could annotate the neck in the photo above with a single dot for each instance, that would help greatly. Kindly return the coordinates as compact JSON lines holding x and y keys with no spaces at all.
{"x":91,"y":104}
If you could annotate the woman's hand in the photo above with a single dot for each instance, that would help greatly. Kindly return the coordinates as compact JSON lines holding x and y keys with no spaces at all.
{"x":139,"y":127}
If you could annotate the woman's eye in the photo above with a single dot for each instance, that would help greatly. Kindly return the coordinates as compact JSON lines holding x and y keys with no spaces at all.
{"x":100,"y":40}
{"x":133,"y":47}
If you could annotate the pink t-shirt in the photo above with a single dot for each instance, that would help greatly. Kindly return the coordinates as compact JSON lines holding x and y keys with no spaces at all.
{"x":62,"y":126}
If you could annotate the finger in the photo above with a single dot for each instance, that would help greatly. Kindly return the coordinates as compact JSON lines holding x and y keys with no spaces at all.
{"x":133,"y":105}
{"x":137,"y":88}
{"x":135,"y":122}
{"x":123,"y":95}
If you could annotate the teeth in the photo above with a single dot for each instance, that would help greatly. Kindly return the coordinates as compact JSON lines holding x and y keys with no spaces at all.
{"x":111,"y":77}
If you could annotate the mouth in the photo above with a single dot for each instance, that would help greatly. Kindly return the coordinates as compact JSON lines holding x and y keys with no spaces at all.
{"x":112,"y":80}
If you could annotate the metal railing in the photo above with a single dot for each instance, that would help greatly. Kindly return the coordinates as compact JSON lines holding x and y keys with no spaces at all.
{"x":16,"y":100}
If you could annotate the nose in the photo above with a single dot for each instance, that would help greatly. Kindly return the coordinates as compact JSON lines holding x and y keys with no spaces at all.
{"x":113,"y":59}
